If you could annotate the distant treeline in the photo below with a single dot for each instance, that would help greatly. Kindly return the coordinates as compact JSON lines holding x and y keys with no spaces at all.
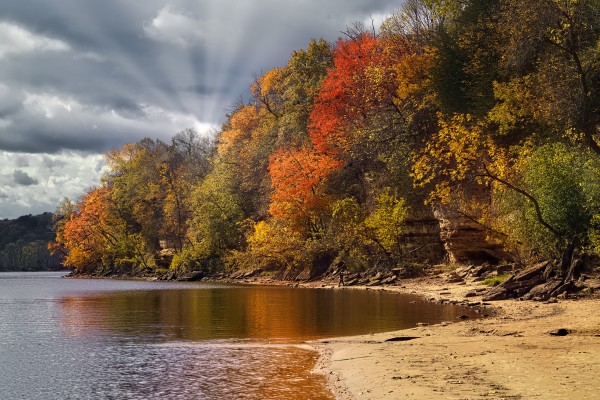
{"x":24,"y":244}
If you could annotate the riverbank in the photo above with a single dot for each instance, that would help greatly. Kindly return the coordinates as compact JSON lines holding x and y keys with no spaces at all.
{"x":508,"y":355}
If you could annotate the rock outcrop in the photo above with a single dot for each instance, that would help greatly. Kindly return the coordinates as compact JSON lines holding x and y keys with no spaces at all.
{"x":421,"y":238}
{"x":465,"y":240}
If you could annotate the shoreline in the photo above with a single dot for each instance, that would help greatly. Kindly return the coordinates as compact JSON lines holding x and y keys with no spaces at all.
{"x":508,"y":355}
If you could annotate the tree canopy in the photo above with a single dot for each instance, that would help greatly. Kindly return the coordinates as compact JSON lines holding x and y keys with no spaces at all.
{"x":490,"y":107}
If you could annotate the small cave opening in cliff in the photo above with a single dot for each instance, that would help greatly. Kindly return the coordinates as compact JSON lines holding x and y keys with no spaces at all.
{"x":479,"y":257}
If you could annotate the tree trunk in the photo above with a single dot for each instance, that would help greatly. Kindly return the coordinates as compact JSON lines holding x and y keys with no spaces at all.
{"x":567,"y":257}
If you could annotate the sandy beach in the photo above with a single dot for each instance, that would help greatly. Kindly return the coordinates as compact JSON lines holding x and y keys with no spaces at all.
{"x":508,"y":355}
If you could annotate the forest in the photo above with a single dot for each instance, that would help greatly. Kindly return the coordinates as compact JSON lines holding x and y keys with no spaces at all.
{"x":23,"y":244}
{"x":351,"y":154}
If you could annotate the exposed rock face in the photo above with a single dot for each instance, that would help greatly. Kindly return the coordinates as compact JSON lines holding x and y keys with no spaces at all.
{"x":164,"y":257}
{"x":465,"y":240}
{"x":421,"y":238}
{"x":432,"y":236}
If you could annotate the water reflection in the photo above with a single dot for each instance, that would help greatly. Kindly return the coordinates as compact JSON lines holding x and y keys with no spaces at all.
{"x":207,"y":371}
{"x":278,"y":314}
{"x":65,"y":338}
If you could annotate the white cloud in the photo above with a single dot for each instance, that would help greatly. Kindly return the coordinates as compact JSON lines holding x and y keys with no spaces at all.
{"x":175,"y":27}
{"x":45,"y":181}
{"x":151,"y":118}
{"x":22,"y":161}
{"x":177,"y":121}
{"x":48,"y":105}
{"x":90,"y":55}
{"x":18,"y":40}
{"x":45,"y":122}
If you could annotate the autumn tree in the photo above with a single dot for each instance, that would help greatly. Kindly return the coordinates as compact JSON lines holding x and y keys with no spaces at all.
{"x":136,"y":189}
{"x":301,"y":81}
{"x":550,"y":56}
{"x":536,"y":201}
{"x":244,"y":144}
{"x":143,"y":203}
{"x":385,"y":224}
{"x":186,"y":164}
{"x":298,"y":178}
{"x":272,"y":246}
{"x":356,"y":88}
{"x":237,"y":185}
{"x":86,"y":234}
{"x":215,"y":223}
{"x":277,"y":119}
{"x":277,"y":116}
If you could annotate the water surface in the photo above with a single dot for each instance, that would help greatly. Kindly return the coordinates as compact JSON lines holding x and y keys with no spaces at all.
{"x":83,"y":338}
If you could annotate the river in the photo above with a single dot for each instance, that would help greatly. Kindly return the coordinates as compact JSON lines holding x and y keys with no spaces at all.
{"x":111,"y":339}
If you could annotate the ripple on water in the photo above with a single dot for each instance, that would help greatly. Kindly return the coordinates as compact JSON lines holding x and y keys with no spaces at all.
{"x":94,"y":339}
{"x":180,"y":371}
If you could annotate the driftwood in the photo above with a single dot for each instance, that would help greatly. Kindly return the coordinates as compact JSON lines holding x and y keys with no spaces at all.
{"x":519,"y":284}
{"x":545,"y":290}
{"x":540,"y":282}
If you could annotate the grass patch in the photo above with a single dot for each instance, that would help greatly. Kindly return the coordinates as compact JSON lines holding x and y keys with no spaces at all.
{"x":496,"y":280}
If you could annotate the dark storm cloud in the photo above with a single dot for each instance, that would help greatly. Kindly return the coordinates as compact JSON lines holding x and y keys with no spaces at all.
{"x":23,"y":179}
{"x":87,"y":72}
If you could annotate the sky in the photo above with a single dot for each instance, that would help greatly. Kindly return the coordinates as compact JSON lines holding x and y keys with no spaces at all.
{"x":80,"y":77}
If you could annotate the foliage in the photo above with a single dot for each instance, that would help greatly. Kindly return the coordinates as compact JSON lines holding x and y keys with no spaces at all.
{"x":298,"y":177}
{"x":87,"y":234}
{"x":215,"y":226}
{"x":356,"y":104}
{"x":554,"y":44}
{"x":271,"y":246}
{"x":457,"y":158}
{"x":23,"y":244}
{"x":385,"y":223}
{"x":143,"y":201}
{"x":490,"y":108}
{"x":566,"y":185}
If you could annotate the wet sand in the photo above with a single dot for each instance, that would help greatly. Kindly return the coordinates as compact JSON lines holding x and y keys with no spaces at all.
{"x":507,"y":355}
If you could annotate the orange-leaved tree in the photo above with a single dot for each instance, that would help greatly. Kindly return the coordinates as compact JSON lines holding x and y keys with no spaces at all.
{"x":356,"y":95}
{"x":86,"y":235}
{"x":298,"y":178}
